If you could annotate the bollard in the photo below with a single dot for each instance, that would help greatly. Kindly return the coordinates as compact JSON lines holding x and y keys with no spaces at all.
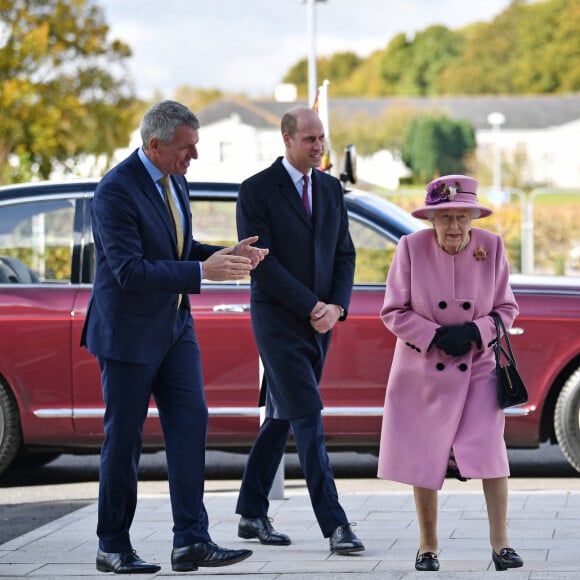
{"x":277,"y":491}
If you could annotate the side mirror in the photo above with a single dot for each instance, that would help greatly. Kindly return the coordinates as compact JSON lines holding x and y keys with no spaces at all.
{"x":349,"y":168}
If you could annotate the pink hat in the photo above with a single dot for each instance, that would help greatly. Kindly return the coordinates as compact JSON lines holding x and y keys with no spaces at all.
{"x":452,"y":192}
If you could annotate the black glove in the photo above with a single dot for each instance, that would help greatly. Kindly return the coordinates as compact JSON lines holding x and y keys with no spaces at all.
{"x":456,"y":340}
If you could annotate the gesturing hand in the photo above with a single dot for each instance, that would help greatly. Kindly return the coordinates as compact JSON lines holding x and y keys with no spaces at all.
{"x":244,"y":248}
{"x":224,"y":265}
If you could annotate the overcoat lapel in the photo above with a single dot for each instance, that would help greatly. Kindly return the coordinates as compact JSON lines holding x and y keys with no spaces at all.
{"x":152,"y":193}
{"x":319,"y":202}
{"x":290,"y":194}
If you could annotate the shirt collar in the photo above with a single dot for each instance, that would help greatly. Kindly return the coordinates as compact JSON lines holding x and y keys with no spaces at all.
{"x":155,"y":173}
{"x":294,"y":173}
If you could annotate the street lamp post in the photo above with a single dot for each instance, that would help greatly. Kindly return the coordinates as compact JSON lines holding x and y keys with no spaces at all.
{"x":312,"y":81}
{"x":496,"y":120}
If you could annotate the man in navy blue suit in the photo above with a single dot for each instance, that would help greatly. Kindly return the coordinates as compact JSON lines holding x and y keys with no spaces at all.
{"x":298,"y":294}
{"x":140,"y":329}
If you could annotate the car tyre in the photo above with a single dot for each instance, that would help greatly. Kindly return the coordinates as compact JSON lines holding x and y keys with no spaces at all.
{"x":10,"y":434}
{"x":567,"y":420}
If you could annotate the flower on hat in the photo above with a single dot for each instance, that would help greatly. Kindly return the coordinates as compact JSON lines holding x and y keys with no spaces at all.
{"x":480,"y":254}
{"x":439,"y":191}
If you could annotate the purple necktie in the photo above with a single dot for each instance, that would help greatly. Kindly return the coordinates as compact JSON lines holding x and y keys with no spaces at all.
{"x":305,"y":197}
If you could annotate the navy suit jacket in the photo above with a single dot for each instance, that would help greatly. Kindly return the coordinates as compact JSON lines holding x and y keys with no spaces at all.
{"x":310,"y":259}
{"x":138,"y":278}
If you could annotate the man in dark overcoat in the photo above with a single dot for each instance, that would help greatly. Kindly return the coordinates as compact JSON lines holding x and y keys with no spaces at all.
{"x":301,"y":290}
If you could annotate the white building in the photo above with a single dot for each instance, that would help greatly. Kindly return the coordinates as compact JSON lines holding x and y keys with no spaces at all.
{"x":239,"y":138}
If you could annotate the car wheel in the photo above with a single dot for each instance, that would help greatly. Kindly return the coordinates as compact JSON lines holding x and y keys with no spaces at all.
{"x":10,"y":435}
{"x":567,"y":420}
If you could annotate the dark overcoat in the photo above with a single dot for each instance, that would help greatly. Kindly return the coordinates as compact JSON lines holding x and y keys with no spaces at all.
{"x":309,"y":260}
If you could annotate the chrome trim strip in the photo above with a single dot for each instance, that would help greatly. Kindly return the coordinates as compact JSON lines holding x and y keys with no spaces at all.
{"x":231,"y":308}
{"x":242,"y":412}
{"x":546,"y":291}
{"x":55,"y":413}
{"x":517,"y":411}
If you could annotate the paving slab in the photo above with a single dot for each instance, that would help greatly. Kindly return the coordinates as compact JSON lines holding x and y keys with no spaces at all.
{"x":544,"y":527}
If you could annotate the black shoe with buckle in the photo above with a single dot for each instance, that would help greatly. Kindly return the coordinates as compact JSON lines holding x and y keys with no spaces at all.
{"x":261,"y":528}
{"x":427,"y":562}
{"x":507,"y":558}
{"x":344,"y":541}
{"x":124,"y":563}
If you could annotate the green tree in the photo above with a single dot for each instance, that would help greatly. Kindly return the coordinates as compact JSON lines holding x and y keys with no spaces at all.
{"x":437,"y":145}
{"x":339,"y":67}
{"x":64,"y":87}
{"x":528,"y":48}
{"x":413,"y":67}
{"x":393,"y":62}
{"x":563,"y":53}
{"x":298,"y":75}
{"x":365,"y":79}
{"x":371,"y":134}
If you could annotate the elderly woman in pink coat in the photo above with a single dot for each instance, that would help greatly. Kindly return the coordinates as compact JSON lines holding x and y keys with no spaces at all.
{"x":441,"y":408}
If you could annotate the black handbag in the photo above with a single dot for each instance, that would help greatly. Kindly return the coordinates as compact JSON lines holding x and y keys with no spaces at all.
{"x":511,"y":390}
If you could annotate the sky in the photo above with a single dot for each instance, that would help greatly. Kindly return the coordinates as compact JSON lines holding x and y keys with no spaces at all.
{"x":247,"y":46}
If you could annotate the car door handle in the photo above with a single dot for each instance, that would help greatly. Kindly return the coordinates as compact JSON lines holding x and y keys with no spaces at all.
{"x":231,"y":308}
{"x":516,"y":331}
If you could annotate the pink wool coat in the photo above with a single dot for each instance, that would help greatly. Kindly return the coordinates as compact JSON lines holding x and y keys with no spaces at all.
{"x":436,"y":402}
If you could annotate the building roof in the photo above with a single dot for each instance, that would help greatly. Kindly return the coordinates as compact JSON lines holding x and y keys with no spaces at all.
{"x":525,"y":112}
{"x":249,"y":113}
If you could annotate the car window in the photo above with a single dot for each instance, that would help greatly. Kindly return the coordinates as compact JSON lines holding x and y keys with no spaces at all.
{"x":214,"y":222}
{"x":36,"y":241}
{"x":374,"y":253}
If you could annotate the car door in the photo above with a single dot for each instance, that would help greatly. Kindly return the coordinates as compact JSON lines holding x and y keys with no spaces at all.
{"x":222,"y":322}
{"x":37,"y":298}
{"x":359,"y":358}
{"x":221,"y":315}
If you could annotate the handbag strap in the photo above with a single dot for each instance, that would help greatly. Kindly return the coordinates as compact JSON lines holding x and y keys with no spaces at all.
{"x":500,"y":330}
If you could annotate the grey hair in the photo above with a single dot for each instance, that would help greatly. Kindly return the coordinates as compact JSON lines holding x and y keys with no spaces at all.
{"x":163,"y":119}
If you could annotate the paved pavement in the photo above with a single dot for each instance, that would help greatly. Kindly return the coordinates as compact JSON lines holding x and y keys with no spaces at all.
{"x":544,"y":527}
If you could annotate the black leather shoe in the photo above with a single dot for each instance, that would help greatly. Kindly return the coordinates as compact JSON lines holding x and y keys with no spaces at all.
{"x":189,"y":558}
{"x":344,"y":541}
{"x":507,"y":558}
{"x":262,"y":529}
{"x":124,"y":563}
{"x":427,"y":562}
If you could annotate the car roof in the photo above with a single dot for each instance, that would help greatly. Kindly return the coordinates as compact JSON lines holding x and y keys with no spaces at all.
{"x":84,"y":186}
{"x":376,"y":211}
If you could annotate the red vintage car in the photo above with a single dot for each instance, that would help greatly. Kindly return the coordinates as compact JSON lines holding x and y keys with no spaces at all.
{"x":50,"y":395}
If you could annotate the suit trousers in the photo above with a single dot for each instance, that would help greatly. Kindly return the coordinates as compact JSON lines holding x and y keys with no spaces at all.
{"x":265,"y":457}
{"x":177,"y":387}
